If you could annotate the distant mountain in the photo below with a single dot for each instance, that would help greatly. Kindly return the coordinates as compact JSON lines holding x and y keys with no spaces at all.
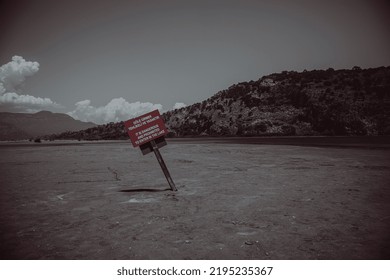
{"x":318,"y":102}
{"x":16,"y":126}
{"x":110,"y":131}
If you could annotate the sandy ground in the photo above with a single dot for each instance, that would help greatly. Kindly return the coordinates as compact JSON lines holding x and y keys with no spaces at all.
{"x":235,"y":201}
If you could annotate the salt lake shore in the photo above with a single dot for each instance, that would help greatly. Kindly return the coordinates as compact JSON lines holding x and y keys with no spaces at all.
{"x":237,"y":198}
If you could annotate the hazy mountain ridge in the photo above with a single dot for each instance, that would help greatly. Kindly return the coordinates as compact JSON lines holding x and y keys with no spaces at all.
{"x":110,"y":131}
{"x":318,"y":102}
{"x":16,"y":126}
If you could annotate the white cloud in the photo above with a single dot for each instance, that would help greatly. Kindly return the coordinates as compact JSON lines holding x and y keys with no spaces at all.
{"x":14,"y":73}
{"x":12,"y":77}
{"x":13,"y":102}
{"x":2,"y":88}
{"x":118,"y":109}
{"x":26,"y":103}
{"x":179,"y":105}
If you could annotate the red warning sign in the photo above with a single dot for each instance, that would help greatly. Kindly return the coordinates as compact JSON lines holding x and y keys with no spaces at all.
{"x":145,"y":128}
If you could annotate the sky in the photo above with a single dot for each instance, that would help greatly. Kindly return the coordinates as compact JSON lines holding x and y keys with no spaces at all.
{"x":104,"y":61}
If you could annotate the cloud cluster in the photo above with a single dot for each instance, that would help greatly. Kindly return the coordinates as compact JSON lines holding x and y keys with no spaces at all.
{"x":13,"y":102}
{"x":118,"y":109}
{"x":14,"y":73}
{"x":179,"y":105}
{"x":12,"y":77}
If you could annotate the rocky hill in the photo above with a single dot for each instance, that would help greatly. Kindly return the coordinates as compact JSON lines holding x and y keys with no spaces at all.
{"x":319,"y":102}
{"x":17,"y":126}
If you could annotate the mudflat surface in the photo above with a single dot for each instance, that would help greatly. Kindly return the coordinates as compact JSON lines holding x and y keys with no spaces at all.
{"x":104,"y":200}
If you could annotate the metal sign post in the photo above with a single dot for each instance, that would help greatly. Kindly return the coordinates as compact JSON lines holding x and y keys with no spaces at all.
{"x":163,"y":166}
{"x":147,"y":132}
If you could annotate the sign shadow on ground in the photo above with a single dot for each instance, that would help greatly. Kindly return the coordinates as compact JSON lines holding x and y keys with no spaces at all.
{"x":144,"y":190}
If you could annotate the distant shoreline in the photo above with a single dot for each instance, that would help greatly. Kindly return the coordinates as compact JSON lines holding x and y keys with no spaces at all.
{"x":366,"y":142}
{"x":361,"y":142}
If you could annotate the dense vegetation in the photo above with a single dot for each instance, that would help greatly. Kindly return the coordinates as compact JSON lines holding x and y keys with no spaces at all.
{"x":319,"y":102}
